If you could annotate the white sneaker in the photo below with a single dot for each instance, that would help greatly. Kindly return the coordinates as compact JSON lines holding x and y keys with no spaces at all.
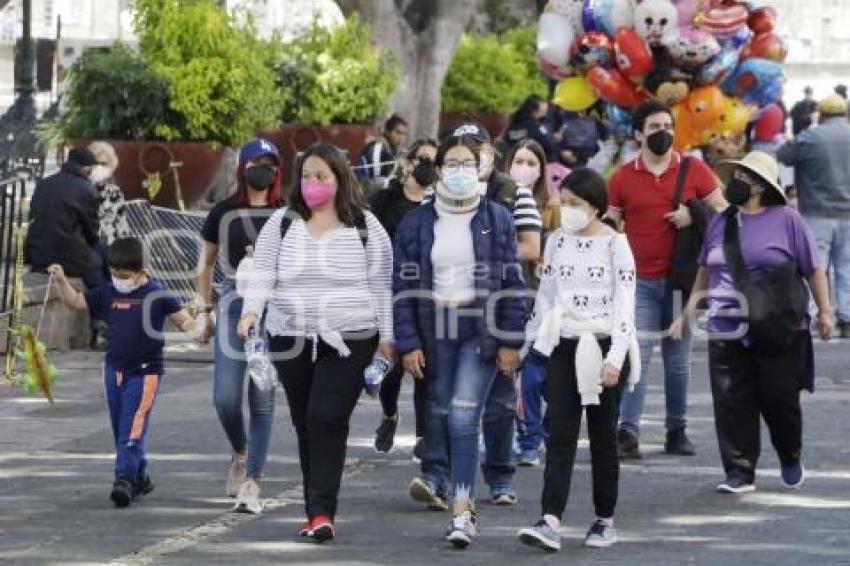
{"x":248,"y":500}
{"x":462,"y":529}
{"x":237,"y":476}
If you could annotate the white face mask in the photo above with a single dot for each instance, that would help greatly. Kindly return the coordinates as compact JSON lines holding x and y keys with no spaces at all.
{"x":574,"y":219}
{"x":125,"y":286}
{"x":99,"y":174}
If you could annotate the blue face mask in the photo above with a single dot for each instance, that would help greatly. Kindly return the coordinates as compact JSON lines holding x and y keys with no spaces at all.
{"x":460,"y":182}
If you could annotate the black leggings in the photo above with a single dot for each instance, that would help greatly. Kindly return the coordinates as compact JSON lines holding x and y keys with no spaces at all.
{"x":322,"y":395}
{"x":746,"y":384}
{"x":390,"y":390}
{"x":564,"y":414}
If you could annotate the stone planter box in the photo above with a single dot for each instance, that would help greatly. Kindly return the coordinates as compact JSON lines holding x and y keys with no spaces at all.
{"x":294,"y":138}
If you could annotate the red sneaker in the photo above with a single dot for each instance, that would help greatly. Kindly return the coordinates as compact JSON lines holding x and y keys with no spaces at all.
{"x":304,"y":529}
{"x":321,"y":529}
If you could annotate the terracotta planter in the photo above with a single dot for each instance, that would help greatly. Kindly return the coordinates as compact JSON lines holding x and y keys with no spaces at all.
{"x":293,"y":138}
{"x":138,"y":159}
{"x":495,"y":122}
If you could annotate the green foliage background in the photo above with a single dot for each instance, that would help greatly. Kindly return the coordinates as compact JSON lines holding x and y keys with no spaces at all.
{"x":115,"y":94}
{"x":335,"y":76}
{"x":220,"y":73}
{"x":493,"y":73}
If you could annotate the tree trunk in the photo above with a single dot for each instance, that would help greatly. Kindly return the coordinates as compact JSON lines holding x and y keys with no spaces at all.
{"x":424,"y":37}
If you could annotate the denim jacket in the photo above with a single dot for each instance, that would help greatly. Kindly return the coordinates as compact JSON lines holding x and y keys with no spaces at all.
{"x":494,"y":242}
{"x":821,"y":160}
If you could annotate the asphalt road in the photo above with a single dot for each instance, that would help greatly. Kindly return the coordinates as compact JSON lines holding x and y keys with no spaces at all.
{"x":56,"y":462}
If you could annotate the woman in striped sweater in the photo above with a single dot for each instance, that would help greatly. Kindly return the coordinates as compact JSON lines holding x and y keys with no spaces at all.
{"x":323,"y":268}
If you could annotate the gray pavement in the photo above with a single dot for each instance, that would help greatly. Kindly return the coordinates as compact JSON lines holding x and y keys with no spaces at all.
{"x":55,"y":474}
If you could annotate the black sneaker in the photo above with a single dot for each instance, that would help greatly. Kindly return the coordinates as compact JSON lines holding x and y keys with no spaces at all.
{"x":678,"y":443}
{"x":844,"y":329}
{"x":122,"y":492}
{"x":143,"y":487}
{"x":735,"y":485}
{"x":385,"y":434}
{"x":629,"y":445}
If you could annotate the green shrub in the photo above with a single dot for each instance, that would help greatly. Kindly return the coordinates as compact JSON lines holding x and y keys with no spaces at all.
{"x":335,"y":76}
{"x":114,"y":94}
{"x":492,"y":73}
{"x":220,"y":74}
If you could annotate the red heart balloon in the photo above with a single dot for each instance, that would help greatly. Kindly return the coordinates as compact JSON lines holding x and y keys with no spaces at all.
{"x":762,"y":20}
{"x":613,"y":87}
{"x":634,"y":58}
{"x":767,"y":46}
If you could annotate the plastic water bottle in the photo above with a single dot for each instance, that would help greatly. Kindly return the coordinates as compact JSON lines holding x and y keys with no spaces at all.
{"x":374,"y":374}
{"x":260,"y":367}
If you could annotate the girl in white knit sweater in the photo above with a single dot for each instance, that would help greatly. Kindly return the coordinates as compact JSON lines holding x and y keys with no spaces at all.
{"x":584,"y":322}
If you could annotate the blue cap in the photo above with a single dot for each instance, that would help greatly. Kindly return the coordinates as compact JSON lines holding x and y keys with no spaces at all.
{"x":257,"y":148}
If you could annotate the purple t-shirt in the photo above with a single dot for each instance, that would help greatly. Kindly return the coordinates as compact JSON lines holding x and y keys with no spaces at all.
{"x":769,"y":239}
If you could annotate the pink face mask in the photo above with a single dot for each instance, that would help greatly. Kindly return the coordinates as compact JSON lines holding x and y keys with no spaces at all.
{"x":525,"y":175}
{"x":316,"y":193}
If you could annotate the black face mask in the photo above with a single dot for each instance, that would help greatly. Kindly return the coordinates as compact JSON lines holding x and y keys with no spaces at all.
{"x":259,"y":177}
{"x":425,"y":173}
{"x":738,"y":192}
{"x":659,"y":142}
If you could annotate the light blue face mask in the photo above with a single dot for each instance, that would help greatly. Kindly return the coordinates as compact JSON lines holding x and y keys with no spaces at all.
{"x":460,"y":182}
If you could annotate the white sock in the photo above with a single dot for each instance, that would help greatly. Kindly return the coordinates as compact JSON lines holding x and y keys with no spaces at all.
{"x":607,"y":522}
{"x":552,"y":521}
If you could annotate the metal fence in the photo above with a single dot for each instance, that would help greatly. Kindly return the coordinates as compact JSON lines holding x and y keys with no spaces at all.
{"x":173,"y":243}
{"x":12,"y":192}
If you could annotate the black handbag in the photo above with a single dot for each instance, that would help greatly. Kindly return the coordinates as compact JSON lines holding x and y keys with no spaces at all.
{"x":776,"y":301}
{"x":684,"y":265}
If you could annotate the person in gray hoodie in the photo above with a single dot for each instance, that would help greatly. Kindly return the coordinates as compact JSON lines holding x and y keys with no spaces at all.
{"x":821,"y":160}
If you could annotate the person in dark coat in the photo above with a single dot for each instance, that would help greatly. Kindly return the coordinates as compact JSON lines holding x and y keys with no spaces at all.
{"x":64,"y":227}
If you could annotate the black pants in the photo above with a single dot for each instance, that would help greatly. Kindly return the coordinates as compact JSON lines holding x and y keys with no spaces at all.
{"x":564,"y":415}
{"x":746,"y":384}
{"x":390,"y":390}
{"x":321,"y":396}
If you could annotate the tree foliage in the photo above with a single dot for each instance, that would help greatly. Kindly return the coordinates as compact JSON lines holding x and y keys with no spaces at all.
{"x":219,"y":72}
{"x":492,"y":73}
{"x":335,"y":76}
{"x":115,"y":94}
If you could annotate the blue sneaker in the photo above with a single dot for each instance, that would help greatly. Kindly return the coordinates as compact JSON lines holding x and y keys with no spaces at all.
{"x":529,"y":459}
{"x":600,"y":535}
{"x":793,"y":476}
{"x":541,"y":536}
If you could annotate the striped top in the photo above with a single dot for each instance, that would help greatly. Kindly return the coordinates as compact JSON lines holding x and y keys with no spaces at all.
{"x":526,"y":216}
{"x":314,"y":286}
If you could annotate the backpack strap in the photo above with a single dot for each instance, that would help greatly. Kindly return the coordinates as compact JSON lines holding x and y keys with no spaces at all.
{"x":680,"y":181}
{"x":359,"y":224}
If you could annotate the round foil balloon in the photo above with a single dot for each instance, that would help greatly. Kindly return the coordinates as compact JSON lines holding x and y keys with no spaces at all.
{"x":613,"y":87}
{"x":574,"y":94}
{"x":634,"y":58}
{"x":591,"y":50}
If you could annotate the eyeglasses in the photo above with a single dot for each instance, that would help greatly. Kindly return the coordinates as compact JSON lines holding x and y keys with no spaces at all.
{"x":454,"y":164}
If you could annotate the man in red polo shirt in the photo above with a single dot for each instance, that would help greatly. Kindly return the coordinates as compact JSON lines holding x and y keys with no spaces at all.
{"x":641,"y":193}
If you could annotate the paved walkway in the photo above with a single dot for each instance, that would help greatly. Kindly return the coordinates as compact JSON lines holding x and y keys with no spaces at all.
{"x":55,"y":474}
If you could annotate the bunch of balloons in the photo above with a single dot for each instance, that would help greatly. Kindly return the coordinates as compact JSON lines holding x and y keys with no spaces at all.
{"x":713,"y":62}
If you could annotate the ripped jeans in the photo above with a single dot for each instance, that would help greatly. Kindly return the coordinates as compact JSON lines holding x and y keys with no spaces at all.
{"x":457,"y":392}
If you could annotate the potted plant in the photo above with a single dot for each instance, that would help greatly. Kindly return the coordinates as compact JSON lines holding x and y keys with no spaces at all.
{"x":489,"y":77}
{"x":335,"y":83}
{"x":200,"y":82}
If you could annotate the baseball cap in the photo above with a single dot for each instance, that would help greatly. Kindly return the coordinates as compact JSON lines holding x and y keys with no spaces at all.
{"x":82,"y":156}
{"x":832,"y":105}
{"x":257,"y":148}
{"x":472,"y":130}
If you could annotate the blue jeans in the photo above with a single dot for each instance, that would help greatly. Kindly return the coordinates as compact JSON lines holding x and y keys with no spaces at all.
{"x":499,"y":426}
{"x":229,"y":385}
{"x":833,"y":240}
{"x":533,"y":387}
{"x":459,"y":382}
{"x":657,"y":306}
